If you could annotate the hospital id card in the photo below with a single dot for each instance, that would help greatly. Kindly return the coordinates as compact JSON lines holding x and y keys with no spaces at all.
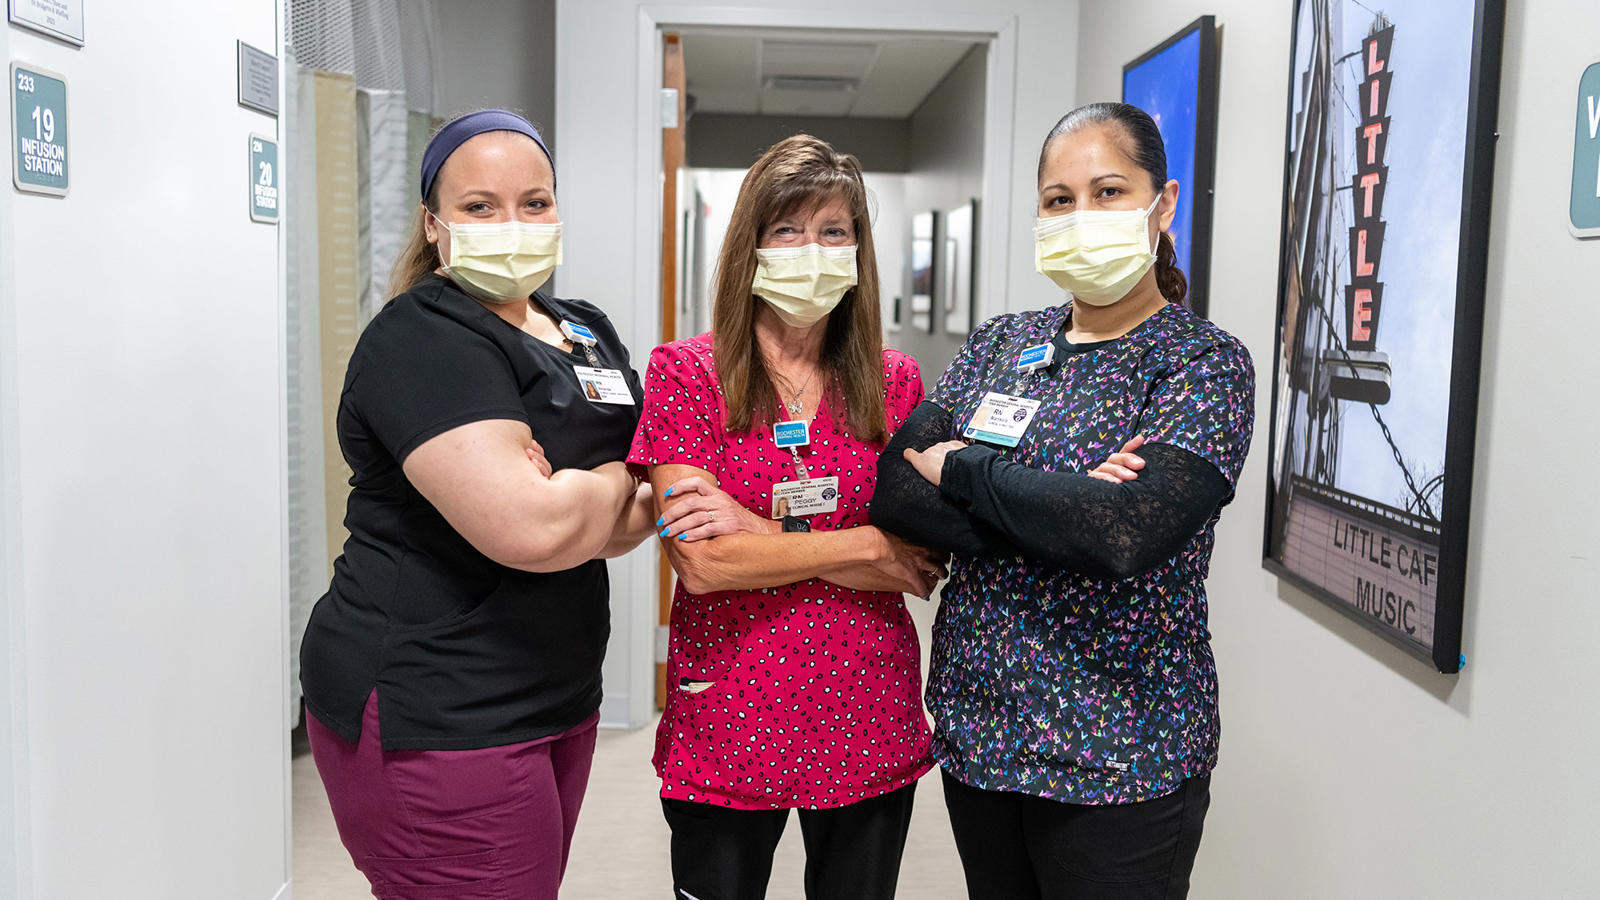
{"x":604,"y":385}
{"x":1001,"y":419}
{"x":805,"y":498}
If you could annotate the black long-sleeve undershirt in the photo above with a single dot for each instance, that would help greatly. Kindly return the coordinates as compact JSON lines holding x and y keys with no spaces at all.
{"x":988,"y":505}
{"x":906,"y":504}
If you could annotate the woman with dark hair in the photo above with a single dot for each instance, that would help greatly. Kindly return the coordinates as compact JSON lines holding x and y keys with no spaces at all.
{"x":792,"y":662}
{"x":1072,"y":683}
{"x":452,"y":671}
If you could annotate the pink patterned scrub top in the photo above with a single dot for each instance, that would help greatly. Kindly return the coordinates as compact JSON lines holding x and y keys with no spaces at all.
{"x":815,"y":694}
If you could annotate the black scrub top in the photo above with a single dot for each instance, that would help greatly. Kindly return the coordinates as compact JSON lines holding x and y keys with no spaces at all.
{"x":464,"y":652}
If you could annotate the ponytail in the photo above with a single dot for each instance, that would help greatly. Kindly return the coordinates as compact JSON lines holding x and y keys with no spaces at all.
{"x":1169,"y":278}
{"x":420,"y":257}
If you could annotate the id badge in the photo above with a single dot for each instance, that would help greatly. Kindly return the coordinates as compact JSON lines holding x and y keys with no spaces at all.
{"x":1001,"y":419}
{"x":604,"y":385}
{"x":805,"y":498}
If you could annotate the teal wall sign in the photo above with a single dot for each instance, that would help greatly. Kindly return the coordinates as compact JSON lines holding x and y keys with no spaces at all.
{"x":1585,"y":208}
{"x":39,"y":131}
{"x":264,"y":193}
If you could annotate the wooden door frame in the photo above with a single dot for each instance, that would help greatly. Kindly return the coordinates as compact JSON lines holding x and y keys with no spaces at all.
{"x":673,"y":154}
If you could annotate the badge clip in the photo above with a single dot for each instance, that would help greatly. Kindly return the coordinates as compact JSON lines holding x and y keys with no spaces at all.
{"x":583,"y":337}
{"x":791,"y":436}
{"x":1037,"y":357}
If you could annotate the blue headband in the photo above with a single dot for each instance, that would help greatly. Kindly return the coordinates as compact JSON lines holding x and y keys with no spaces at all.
{"x":469,"y":126}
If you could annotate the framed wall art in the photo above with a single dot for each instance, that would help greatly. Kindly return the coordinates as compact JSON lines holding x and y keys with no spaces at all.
{"x":922,"y":268}
{"x":960,"y":273}
{"x":1176,"y":83}
{"x":1387,"y":182}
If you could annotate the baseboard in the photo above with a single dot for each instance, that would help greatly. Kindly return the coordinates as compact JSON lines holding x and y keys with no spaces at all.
{"x":614,"y":711}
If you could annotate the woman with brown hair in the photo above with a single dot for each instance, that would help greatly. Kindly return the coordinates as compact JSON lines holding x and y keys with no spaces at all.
{"x":452,"y":671}
{"x":793,"y":663}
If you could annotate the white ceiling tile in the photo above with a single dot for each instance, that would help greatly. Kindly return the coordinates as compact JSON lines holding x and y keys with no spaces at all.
{"x":723,"y":72}
{"x":837,"y":59}
{"x":904,"y":74}
{"x":726,"y":70}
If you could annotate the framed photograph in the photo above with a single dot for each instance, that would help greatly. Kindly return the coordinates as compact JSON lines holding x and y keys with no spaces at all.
{"x":922,"y":261}
{"x":1387,"y":182}
{"x":1176,"y":83}
{"x":960,"y":273}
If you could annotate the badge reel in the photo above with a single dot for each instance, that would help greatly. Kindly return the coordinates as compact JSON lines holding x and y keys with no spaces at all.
{"x":1003,"y":418}
{"x":600,"y":385}
{"x":804,"y":496}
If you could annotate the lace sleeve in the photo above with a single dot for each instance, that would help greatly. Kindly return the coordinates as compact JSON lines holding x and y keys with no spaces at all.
{"x":906,"y":504}
{"x":1080,"y":523}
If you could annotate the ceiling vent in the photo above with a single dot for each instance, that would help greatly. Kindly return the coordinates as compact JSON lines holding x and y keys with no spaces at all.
{"x":815,"y":84}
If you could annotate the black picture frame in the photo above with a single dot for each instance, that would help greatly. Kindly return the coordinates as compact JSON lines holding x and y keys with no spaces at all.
{"x":925,"y":258}
{"x":1398,"y":564}
{"x":1176,"y":83}
{"x":959,"y":268}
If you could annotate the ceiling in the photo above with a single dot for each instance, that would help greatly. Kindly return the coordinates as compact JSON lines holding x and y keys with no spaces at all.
{"x":814,"y":73}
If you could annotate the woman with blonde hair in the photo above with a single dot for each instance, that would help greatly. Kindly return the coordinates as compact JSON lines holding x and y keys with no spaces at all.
{"x":793,"y":663}
{"x":452,"y":671}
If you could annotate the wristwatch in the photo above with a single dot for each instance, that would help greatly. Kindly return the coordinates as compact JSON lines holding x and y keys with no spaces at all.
{"x":795,"y":523}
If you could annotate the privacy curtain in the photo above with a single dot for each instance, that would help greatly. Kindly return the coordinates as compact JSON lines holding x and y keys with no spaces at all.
{"x":357,"y":111}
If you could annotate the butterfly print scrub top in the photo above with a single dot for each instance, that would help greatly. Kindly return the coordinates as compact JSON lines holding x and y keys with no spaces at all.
{"x":1054,"y":683}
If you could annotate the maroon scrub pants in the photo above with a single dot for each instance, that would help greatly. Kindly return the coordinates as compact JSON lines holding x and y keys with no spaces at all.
{"x":490,"y":824}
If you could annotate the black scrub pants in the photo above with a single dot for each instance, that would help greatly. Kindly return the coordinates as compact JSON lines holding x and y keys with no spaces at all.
{"x":852,"y":852}
{"x":1020,"y":847}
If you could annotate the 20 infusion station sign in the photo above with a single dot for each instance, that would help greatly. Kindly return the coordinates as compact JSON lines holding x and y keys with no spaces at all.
{"x":263,"y":179}
{"x":39,"y":158}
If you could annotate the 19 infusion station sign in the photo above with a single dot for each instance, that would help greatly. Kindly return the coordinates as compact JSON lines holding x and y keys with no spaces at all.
{"x":39,"y":158}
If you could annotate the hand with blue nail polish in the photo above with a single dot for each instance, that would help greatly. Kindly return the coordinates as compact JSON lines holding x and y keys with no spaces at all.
{"x":699,"y":510}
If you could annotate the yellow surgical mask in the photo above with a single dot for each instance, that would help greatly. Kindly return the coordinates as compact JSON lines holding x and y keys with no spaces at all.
{"x":803,"y":284}
{"x":502,"y":262}
{"x":1096,"y":254}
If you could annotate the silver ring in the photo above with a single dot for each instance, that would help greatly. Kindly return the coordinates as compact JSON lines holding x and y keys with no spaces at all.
{"x":710,"y":516}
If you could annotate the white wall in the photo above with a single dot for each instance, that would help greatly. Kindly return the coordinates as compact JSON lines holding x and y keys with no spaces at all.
{"x":1349,"y":769}
{"x":496,"y":53}
{"x":141,"y":460}
{"x":607,"y":260}
{"x":947,"y":173}
{"x":731,"y":140}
